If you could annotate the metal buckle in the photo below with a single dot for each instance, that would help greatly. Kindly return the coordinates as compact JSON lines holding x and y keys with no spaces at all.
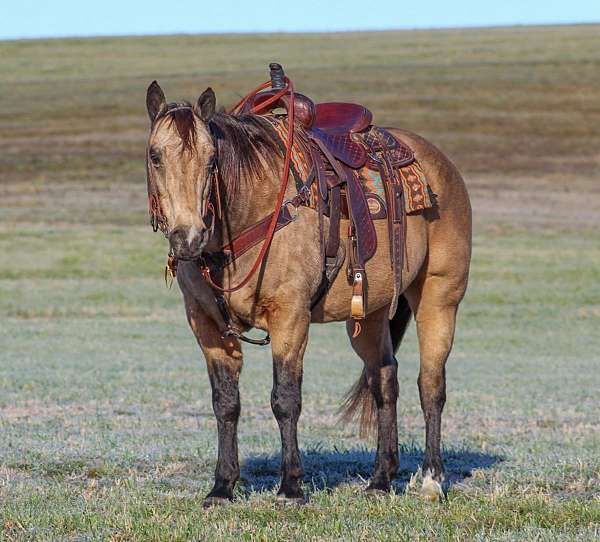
{"x":170,"y":269}
{"x":304,"y":193}
{"x":302,"y":198}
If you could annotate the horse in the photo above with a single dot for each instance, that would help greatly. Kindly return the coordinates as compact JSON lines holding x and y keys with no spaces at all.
{"x":191,"y":146}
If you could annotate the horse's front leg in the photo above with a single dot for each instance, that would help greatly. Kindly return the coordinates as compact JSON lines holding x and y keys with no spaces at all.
{"x":289,"y":333}
{"x":224,"y":363}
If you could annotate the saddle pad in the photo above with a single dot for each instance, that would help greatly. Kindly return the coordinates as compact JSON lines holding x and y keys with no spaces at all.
{"x":418,"y":195}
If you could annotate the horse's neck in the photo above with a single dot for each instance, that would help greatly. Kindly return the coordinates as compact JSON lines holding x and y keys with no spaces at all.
{"x":255,"y":200}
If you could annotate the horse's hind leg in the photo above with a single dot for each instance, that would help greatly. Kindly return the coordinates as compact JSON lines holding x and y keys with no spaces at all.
{"x":379,"y":381}
{"x":435,"y":302}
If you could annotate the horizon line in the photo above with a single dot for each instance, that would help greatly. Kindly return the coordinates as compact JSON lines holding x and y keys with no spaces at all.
{"x":299,"y":32}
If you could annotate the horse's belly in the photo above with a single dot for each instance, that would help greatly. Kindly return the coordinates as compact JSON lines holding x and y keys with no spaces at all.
{"x":335,"y":306}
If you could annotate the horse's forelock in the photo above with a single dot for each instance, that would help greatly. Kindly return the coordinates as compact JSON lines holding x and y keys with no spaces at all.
{"x":183,"y":118}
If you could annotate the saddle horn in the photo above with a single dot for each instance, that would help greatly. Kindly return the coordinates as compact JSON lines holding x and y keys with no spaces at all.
{"x":277,"y":76}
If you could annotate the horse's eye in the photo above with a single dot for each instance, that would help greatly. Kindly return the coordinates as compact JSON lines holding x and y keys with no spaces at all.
{"x":155,"y":159}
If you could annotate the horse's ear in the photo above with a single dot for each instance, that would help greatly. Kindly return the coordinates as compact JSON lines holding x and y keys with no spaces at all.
{"x":155,"y":100}
{"x":206,"y":105}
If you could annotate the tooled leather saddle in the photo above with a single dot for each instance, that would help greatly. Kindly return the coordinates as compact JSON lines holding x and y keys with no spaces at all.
{"x":343,"y":140}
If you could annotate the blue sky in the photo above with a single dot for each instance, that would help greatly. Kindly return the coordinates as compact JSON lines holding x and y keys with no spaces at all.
{"x":43,"y":18}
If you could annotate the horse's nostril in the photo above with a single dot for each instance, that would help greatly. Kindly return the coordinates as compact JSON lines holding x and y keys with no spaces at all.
{"x":187,"y":243}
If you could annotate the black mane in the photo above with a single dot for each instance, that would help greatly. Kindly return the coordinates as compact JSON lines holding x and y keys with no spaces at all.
{"x":243,"y":145}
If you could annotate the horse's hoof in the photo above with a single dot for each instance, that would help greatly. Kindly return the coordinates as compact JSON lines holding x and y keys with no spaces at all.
{"x":211,"y":501}
{"x":431,"y":490}
{"x":290,"y":501}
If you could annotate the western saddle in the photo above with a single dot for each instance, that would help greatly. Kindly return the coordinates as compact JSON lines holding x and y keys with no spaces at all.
{"x":343,"y":140}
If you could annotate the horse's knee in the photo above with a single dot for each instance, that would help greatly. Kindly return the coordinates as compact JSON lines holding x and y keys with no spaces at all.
{"x":286,"y":397}
{"x":225,"y":393}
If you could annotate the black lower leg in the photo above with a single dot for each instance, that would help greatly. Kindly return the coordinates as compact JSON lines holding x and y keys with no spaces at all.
{"x":433,"y":399}
{"x":384,"y":387}
{"x":286,"y":402}
{"x":226,"y":405}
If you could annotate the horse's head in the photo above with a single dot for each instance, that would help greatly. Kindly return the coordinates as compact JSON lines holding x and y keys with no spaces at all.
{"x":180,"y":160}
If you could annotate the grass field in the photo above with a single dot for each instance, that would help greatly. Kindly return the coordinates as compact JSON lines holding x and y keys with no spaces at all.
{"x":106,"y":427}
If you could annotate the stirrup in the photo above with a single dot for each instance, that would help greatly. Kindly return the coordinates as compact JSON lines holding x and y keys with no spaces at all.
{"x":358,"y":305}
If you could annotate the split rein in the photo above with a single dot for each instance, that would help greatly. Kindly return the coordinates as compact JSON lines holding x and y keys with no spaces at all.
{"x":159,"y":221}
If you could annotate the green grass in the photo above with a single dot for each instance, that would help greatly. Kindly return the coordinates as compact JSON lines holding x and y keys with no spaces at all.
{"x":106,"y":427}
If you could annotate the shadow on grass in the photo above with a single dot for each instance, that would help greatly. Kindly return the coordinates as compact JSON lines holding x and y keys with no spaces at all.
{"x":326,"y":469}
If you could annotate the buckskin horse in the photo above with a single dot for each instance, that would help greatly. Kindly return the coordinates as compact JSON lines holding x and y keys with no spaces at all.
{"x":252,"y":249}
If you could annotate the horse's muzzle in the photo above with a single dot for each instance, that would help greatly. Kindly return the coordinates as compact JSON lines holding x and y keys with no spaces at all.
{"x":187,"y":242}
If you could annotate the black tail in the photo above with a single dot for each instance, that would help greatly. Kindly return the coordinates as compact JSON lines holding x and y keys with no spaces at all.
{"x":359,"y":402}
{"x":399,"y":322}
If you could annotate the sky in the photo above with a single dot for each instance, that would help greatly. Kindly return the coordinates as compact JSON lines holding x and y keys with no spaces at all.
{"x":57,"y":18}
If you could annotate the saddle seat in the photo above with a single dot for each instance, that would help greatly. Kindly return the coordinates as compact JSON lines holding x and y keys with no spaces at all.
{"x":339,"y":118}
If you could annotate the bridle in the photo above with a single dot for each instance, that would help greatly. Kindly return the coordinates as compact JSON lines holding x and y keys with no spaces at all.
{"x":211,"y":202}
{"x":159,"y":221}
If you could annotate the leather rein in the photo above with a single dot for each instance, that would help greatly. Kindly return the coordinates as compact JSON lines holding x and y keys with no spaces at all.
{"x":263,"y":230}
{"x":272,"y":224}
